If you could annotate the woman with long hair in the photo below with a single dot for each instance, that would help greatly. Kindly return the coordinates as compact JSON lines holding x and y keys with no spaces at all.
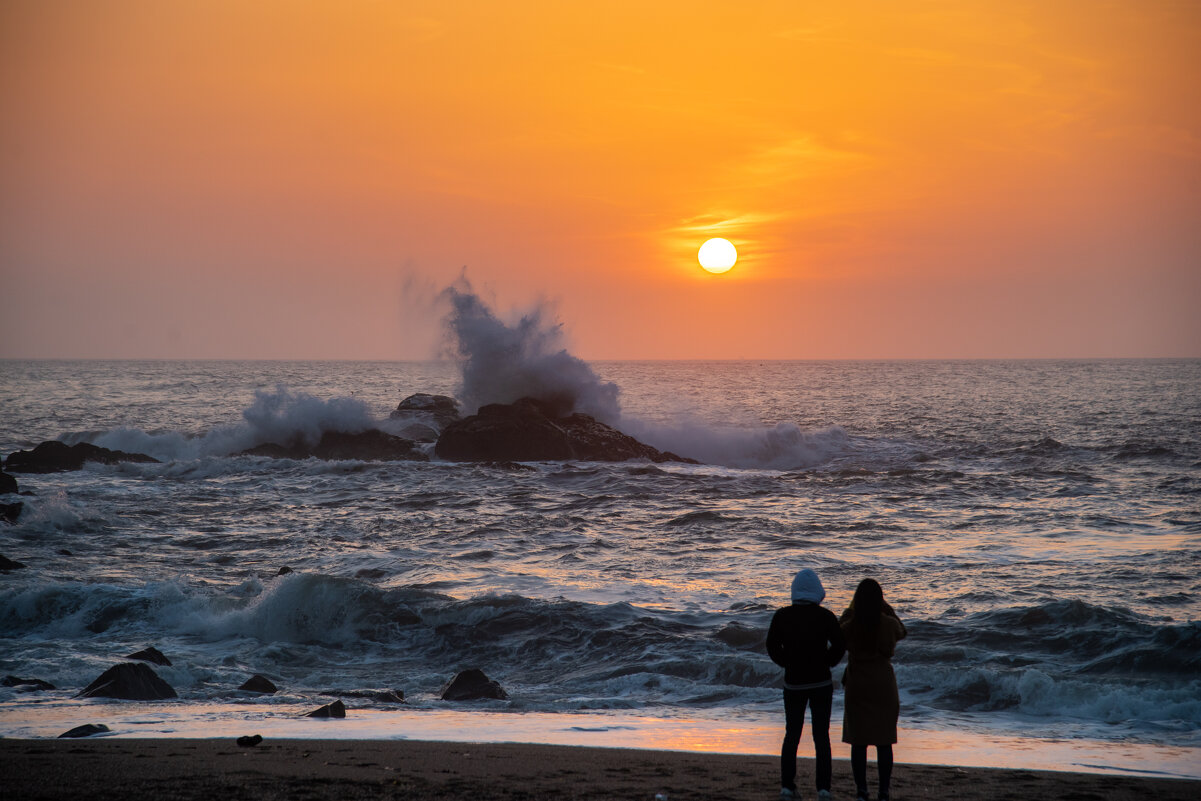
{"x":872,"y":705}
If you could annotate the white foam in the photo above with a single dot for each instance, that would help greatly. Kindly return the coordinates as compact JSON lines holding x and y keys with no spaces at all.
{"x":784,"y":446}
{"x":280,"y":415}
{"x":299,"y":607}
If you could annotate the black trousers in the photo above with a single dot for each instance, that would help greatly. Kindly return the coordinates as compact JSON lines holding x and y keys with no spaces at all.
{"x":883,"y":765}
{"x":819,"y":702}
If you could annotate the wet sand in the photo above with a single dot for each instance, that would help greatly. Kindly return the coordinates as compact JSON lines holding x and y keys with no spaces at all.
{"x":131,"y":769}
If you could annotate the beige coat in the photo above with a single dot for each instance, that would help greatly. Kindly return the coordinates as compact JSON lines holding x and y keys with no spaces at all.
{"x":872,"y":706}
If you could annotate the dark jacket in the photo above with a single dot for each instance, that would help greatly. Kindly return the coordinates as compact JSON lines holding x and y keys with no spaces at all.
{"x":872,"y":702}
{"x":806,"y":640}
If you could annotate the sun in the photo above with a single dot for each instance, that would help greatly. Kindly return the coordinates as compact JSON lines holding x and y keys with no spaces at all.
{"x":717,"y":255}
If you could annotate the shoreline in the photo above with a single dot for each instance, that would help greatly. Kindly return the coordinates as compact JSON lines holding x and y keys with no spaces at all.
{"x":749,"y":734}
{"x":183,"y":769}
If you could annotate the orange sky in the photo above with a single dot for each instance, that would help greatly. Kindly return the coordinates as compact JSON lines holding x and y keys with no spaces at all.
{"x":201,"y":178}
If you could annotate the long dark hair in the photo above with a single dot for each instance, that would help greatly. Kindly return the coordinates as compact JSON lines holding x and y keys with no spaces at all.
{"x":868,"y":604}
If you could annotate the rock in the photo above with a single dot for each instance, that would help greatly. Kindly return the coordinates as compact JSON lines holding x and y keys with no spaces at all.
{"x":514,"y":467}
{"x":30,"y":684}
{"x":335,"y":710}
{"x":521,"y":431}
{"x":372,"y":445}
{"x":533,"y":430}
{"x":258,"y":684}
{"x":9,"y":564}
{"x":438,"y":411}
{"x":250,"y":741}
{"x":8,"y":484}
{"x":285,"y":570}
{"x":58,"y":457}
{"x":132,"y":681}
{"x":471,"y":685}
{"x":152,"y":655}
{"x":419,"y":432}
{"x":10,"y":512}
{"x":86,"y":730}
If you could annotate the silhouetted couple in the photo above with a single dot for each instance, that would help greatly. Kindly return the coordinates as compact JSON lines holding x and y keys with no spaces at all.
{"x":807,"y":640}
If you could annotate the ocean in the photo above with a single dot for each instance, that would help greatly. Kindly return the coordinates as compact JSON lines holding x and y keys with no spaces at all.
{"x":1036,"y":524}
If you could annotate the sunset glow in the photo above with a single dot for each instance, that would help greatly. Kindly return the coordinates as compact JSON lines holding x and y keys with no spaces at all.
{"x":717,"y":255}
{"x":980,"y":179}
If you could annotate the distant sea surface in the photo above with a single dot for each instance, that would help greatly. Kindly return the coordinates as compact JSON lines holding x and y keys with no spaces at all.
{"x":1036,"y":524}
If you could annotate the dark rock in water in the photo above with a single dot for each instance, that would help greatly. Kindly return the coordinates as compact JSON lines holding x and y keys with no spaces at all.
{"x":9,"y":564}
{"x":10,"y":512}
{"x":57,"y":457}
{"x":437,"y":410}
{"x":251,"y":741}
{"x":152,"y":655}
{"x":132,"y":681}
{"x":86,"y":730}
{"x":471,"y":685}
{"x":8,"y":484}
{"x":29,"y":684}
{"x":521,"y":431}
{"x":748,"y":638}
{"x":515,"y":467}
{"x":372,"y":445}
{"x":419,"y":432}
{"x":533,"y":430}
{"x":335,"y":710}
{"x":285,"y":570}
{"x":258,"y":684}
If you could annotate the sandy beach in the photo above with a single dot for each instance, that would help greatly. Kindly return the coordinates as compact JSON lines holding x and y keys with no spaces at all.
{"x":132,"y":769}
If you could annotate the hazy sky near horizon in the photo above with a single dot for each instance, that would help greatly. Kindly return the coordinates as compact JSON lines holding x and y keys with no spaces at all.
{"x":299,"y":178}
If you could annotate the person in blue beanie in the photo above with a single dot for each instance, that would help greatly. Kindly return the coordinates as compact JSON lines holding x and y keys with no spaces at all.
{"x":806,"y":640}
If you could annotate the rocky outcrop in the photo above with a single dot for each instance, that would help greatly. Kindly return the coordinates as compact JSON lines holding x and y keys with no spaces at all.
{"x":8,"y":484}
{"x":131,"y":681}
{"x":258,"y":684}
{"x":11,"y":512}
{"x":58,"y":457}
{"x":436,"y":410}
{"x":86,"y":730}
{"x":152,"y":655}
{"x":532,"y":430}
{"x":10,"y":564}
{"x":472,"y":685}
{"x":27,"y":685}
{"x":335,"y":710}
{"x":372,"y":445}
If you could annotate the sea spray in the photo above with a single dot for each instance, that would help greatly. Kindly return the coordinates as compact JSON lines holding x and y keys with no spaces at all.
{"x":784,"y":446}
{"x":281,"y":416}
{"x":501,"y":363}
